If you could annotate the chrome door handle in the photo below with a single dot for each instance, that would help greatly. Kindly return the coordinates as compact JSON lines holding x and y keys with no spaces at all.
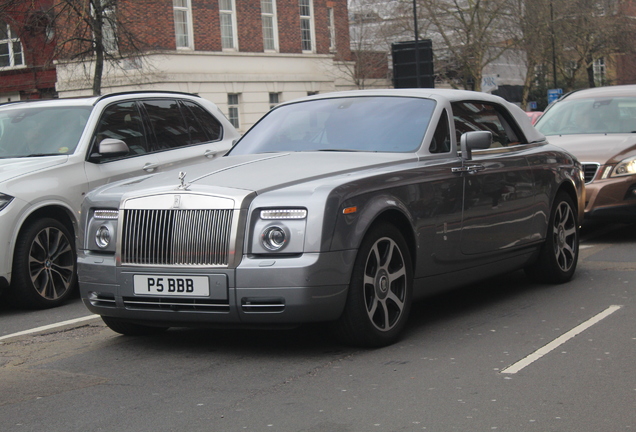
{"x":470,"y":169}
{"x":150,"y":167}
{"x":210,"y":153}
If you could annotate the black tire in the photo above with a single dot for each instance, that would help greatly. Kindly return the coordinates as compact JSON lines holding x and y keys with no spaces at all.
{"x":380,"y":291}
{"x":44,"y":265}
{"x":560,"y":252}
{"x":128,"y":328}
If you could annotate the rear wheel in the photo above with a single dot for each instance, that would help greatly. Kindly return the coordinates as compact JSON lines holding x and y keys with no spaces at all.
{"x":560,"y":253}
{"x":129,"y":328}
{"x":44,"y":265}
{"x":379,"y":297}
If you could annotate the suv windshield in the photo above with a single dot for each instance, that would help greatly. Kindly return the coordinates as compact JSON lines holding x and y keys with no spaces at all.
{"x":40,"y":131}
{"x":590,"y":116}
{"x":375,"y":124}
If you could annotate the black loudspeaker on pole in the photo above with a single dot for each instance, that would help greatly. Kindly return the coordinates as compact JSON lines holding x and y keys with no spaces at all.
{"x":405,"y":68}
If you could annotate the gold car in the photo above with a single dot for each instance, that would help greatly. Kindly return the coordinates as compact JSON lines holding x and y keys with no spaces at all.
{"x":598,"y":126}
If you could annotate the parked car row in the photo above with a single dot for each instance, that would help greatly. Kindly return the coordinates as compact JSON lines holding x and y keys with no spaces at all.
{"x":341,"y":208}
{"x":53,"y":152}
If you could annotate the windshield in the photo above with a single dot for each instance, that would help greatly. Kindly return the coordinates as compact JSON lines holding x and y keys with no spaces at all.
{"x":375,"y":124}
{"x":590,"y":116}
{"x":40,"y":131}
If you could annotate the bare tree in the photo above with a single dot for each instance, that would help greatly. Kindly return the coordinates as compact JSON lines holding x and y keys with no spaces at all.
{"x":471,"y":35}
{"x":90,"y":31}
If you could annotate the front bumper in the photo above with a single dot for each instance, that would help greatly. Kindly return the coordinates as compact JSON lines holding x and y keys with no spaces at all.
{"x":611,"y":199}
{"x":307,"y":288}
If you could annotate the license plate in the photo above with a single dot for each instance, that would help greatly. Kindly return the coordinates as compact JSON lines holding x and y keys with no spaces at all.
{"x":196,"y":286}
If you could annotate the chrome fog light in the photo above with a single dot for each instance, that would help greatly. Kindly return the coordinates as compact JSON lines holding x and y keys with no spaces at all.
{"x":102,"y":237}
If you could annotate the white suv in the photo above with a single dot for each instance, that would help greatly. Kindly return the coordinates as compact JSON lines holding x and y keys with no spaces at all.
{"x":53,"y":152}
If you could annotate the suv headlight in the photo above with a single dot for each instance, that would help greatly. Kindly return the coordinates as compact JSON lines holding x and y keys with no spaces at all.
{"x":101,"y":234}
{"x":5,"y":200}
{"x":280,"y":230}
{"x":625,"y":167}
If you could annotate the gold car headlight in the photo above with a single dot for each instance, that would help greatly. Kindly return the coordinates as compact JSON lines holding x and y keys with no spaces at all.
{"x":625,"y":167}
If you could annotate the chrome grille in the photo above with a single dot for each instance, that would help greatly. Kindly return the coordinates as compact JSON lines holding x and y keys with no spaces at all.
{"x":590,"y":169}
{"x":176,"y":237}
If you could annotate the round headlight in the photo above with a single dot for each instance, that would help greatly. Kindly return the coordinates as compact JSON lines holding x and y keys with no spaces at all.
{"x":274,"y":238}
{"x":102,"y":236}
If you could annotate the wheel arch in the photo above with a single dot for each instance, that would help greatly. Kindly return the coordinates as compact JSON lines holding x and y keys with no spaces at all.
{"x":579,"y":200}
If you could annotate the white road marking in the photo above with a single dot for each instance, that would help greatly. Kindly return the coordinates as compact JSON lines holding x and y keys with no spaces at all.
{"x":559,"y":341}
{"x":49,"y":327}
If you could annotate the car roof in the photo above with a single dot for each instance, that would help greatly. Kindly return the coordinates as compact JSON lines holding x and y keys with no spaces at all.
{"x":92,"y":100}
{"x":610,"y":91}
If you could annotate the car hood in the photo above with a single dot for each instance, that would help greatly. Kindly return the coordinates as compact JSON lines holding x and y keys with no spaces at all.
{"x":17,"y":167}
{"x":604,"y":149}
{"x":259,"y":173}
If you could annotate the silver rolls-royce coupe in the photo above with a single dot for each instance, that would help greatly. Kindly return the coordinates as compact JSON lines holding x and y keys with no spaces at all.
{"x":341,"y":208}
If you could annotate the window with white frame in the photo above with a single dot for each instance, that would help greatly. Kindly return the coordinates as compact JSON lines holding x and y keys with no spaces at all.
{"x":233,"y":109}
{"x":11,"y":53}
{"x":270,"y":27}
{"x":183,"y":23}
{"x":108,"y":16}
{"x":228,"y":24}
{"x":331,"y":29}
{"x":306,"y":25}
{"x":274,"y":99}
{"x":599,"y":68}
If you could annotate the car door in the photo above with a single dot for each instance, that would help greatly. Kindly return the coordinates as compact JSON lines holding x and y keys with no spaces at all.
{"x":499,"y":190}
{"x":158,"y":135}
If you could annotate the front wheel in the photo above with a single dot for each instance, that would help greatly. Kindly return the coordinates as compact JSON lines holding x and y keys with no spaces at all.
{"x":44,"y":265}
{"x":560,"y":253}
{"x":380,"y":291}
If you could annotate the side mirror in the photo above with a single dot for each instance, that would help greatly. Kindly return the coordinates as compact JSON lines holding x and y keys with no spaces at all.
{"x":477,"y":140}
{"x":113,"y":147}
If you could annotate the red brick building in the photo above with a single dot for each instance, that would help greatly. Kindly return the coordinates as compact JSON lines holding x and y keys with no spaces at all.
{"x":244,"y":55}
{"x":26,"y":53}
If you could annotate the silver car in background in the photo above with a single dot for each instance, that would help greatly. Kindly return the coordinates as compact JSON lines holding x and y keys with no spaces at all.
{"x":341,"y":208}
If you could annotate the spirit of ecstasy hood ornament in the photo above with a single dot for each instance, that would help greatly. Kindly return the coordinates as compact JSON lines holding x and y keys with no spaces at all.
{"x":183,"y":184}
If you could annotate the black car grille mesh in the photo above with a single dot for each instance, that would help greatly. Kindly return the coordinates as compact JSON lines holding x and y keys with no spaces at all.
{"x":176,"y":237}
{"x":590,"y":170}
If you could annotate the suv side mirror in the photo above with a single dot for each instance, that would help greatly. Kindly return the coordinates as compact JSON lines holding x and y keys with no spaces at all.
{"x":477,"y":140}
{"x":113,"y":147}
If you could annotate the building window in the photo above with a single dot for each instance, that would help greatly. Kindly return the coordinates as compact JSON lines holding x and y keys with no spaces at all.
{"x":228,"y":24}
{"x":270,"y":29}
{"x":108,"y":15}
{"x":274,"y":99}
{"x":10,"y":47}
{"x":233,"y":109}
{"x":183,"y":23}
{"x":306,"y":27}
{"x":331,"y":29}
{"x":600,"y":78}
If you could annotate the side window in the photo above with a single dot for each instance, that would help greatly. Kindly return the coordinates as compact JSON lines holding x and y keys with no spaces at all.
{"x":167,"y":123}
{"x":441,"y":142}
{"x":122,"y":121}
{"x":202,"y":125}
{"x":478,"y":116}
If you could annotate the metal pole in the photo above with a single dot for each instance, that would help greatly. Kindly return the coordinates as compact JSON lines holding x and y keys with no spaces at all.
{"x":554,"y":75}
{"x":417,"y":45}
